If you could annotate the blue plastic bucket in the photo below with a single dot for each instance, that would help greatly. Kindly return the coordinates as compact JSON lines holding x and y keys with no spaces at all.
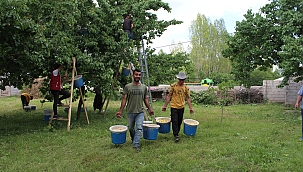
{"x":164,"y":123}
{"x":125,"y":71}
{"x":33,"y":107}
{"x":190,"y":127}
{"x":118,"y":134}
{"x":150,"y":131}
{"x":47,"y":114}
{"x":82,"y":109}
{"x":78,"y":81}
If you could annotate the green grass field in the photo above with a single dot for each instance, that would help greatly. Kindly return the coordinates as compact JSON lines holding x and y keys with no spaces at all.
{"x":262,"y":137}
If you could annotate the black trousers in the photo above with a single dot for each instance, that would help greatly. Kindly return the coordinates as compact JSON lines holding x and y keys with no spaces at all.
{"x":24,"y":102}
{"x":57,"y":100}
{"x":176,"y":119}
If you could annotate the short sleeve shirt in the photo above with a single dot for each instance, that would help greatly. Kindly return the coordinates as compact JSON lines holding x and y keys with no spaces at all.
{"x":135,"y":97}
{"x":178,"y":95}
{"x":127,"y":24}
{"x":301,"y":94}
{"x":55,"y":72}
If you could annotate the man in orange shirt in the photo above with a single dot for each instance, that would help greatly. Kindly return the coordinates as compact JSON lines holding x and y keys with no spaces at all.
{"x":178,"y":93}
{"x":25,"y":98}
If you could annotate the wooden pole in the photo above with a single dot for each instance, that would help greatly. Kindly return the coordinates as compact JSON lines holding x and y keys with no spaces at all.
{"x":82,"y":98}
{"x":112,"y":88}
{"x":71,"y":95}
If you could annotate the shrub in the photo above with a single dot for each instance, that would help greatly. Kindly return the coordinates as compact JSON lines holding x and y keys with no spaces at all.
{"x":204,"y":97}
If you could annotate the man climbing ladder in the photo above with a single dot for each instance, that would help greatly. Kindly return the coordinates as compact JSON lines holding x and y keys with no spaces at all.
{"x":57,"y":89}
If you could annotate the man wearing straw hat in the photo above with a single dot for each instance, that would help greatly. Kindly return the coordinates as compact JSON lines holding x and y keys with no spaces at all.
{"x":177,"y":92}
{"x":135,"y":93}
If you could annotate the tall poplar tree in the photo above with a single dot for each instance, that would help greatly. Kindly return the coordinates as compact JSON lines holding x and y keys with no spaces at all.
{"x":208,"y":41}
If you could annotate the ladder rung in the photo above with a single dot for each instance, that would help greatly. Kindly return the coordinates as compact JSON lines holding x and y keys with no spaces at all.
{"x":59,"y":119}
{"x":67,"y":105}
{"x":62,"y":119}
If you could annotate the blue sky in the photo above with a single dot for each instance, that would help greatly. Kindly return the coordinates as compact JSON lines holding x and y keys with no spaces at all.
{"x":187,"y":11}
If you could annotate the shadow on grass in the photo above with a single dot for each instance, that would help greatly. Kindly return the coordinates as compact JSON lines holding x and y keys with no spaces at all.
{"x":20,"y":122}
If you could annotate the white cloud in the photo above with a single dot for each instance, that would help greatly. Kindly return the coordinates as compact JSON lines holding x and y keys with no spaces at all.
{"x":187,"y":11}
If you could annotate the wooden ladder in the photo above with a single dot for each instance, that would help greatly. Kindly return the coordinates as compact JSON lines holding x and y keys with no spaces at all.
{"x":70,"y":101}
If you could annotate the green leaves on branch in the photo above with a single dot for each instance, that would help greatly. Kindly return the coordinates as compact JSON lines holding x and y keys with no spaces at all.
{"x":36,"y":34}
{"x":270,"y":37}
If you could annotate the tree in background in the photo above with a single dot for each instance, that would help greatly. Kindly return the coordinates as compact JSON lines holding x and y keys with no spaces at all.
{"x":222,"y":77}
{"x":208,"y":41}
{"x":270,"y":37}
{"x":163,"y":67}
{"x":257,"y":76}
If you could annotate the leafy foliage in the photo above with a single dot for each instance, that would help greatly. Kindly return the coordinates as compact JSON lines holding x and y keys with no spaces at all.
{"x":208,"y":41}
{"x":163,"y":67}
{"x":257,"y":76}
{"x":204,"y":97}
{"x":221,"y":77}
{"x":36,"y":34}
{"x":269,"y":37}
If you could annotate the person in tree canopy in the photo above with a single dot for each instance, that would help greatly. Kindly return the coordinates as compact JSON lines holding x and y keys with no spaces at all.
{"x":128,"y":25}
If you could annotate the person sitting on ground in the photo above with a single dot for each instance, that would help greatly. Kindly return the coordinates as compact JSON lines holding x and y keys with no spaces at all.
{"x":26,"y":98}
{"x":57,"y":89}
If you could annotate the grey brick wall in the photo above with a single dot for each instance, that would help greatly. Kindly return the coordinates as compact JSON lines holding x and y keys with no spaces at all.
{"x":287,"y":95}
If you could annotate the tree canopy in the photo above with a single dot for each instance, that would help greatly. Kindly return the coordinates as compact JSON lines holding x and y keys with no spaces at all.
{"x":171,"y":64}
{"x":36,"y":34}
{"x":272,"y":36}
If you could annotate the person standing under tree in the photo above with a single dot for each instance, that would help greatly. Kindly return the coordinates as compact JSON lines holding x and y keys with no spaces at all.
{"x":135,"y":93}
{"x":299,"y":99}
{"x":57,"y":89}
{"x":178,"y":92}
{"x":97,"y":100}
{"x":128,"y":25}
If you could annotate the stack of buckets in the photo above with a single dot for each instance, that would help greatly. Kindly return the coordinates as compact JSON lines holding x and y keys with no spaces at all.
{"x":190,"y":126}
{"x":118,"y":134}
{"x":150,"y":130}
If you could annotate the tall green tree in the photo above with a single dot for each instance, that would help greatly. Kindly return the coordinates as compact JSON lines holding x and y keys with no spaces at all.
{"x":35,"y":34}
{"x":164,"y":67}
{"x":270,"y":37}
{"x":208,"y":41}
